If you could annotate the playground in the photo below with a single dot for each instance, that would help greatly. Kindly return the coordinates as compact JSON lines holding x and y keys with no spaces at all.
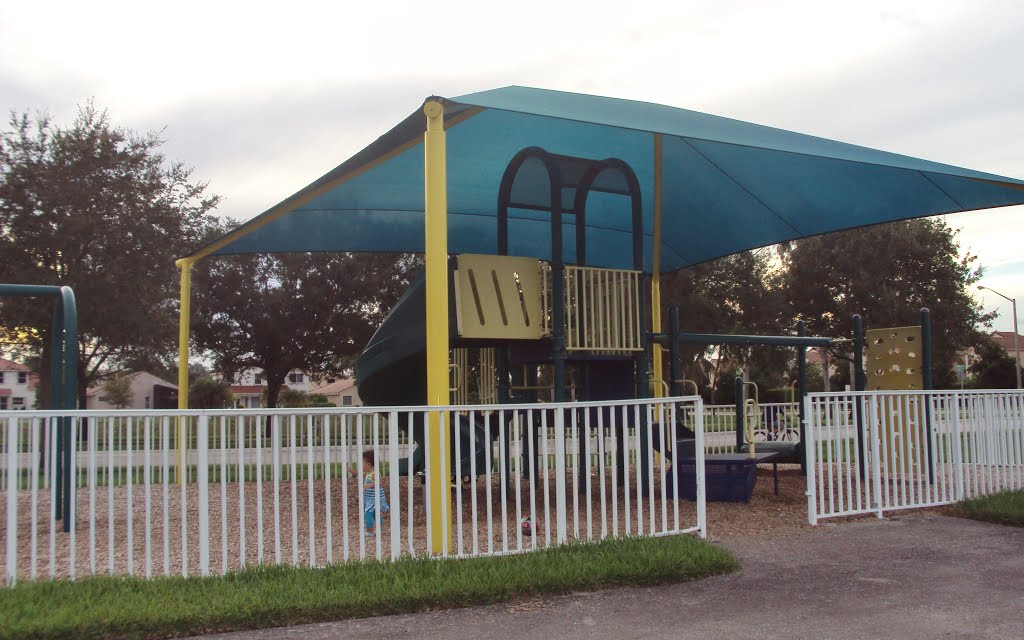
{"x":525,"y":392}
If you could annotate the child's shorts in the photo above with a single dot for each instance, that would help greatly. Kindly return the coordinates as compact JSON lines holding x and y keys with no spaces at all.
{"x":370,"y":518}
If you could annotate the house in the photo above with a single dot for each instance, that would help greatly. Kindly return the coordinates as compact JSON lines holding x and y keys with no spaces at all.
{"x":248,"y":396}
{"x":147,"y":392}
{"x":1005,"y":340}
{"x":250,"y":386}
{"x":342,"y":392}
{"x":18,"y":386}
{"x":296,"y":380}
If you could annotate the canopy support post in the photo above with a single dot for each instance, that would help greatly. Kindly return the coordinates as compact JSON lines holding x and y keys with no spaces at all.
{"x":184,"y":326}
{"x":656,"y":269}
{"x":801,"y":375}
{"x":436,"y":259}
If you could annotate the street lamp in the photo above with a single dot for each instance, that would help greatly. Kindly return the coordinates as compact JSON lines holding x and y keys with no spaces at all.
{"x":1016,"y":347}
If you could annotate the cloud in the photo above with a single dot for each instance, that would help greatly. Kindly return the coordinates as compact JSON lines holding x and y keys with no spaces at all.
{"x":949,"y":94}
{"x":260,"y":148}
{"x":263,"y":103}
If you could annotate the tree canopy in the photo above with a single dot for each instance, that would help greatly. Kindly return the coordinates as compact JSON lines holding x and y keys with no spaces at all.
{"x":993,"y":368}
{"x":98,"y":208}
{"x":886,"y":273}
{"x":308,"y":311}
{"x":737,"y":294}
{"x":207,"y":393}
{"x":117,"y":390}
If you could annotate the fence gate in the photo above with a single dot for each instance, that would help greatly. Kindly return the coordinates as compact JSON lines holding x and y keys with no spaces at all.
{"x":877,"y":451}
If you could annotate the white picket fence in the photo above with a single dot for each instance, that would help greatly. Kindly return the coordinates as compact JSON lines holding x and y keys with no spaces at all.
{"x":273,"y":486}
{"x":910,"y":449}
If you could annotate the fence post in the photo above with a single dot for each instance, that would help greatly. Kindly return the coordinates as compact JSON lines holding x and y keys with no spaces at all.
{"x":702,"y":519}
{"x":810,"y":464}
{"x":12,"y":501}
{"x":203,"y":473}
{"x":958,"y":453}
{"x":934,"y":444}
{"x":987,"y":457}
{"x":875,"y":443}
{"x":396,"y":503}
{"x":560,"y":473}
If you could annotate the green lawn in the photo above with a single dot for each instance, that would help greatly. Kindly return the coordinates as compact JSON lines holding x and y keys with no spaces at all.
{"x":1002,"y":508}
{"x":277,"y":596}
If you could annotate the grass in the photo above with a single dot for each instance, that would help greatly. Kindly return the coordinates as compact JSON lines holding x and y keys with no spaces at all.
{"x":277,"y":596}
{"x":1006,"y":507}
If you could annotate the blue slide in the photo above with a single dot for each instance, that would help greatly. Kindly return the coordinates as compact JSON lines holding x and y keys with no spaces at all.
{"x":392,"y":371}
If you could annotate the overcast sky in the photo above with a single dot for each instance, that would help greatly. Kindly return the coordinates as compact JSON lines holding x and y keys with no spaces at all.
{"x":262,"y":98}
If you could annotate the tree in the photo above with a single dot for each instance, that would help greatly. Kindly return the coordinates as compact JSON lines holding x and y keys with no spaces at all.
{"x":887,"y":273}
{"x":994,"y":367}
{"x":736,"y":294}
{"x":278,"y":313}
{"x":118,"y":390}
{"x":207,"y":393}
{"x":100,"y":209}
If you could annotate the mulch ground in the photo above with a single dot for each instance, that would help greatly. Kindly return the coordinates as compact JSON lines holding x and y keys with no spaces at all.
{"x":123,"y":548}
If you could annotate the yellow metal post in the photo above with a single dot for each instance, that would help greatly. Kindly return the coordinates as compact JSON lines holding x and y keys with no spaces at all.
{"x":656,"y":266}
{"x":183,"y":332}
{"x":436,"y":259}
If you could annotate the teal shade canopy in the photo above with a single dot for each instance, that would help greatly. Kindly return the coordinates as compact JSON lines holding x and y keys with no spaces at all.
{"x":728,"y":186}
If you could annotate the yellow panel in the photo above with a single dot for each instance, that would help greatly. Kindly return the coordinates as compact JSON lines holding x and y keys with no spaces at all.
{"x":602,"y":310}
{"x":903,"y":444}
{"x":893,"y":359}
{"x":498,"y":297}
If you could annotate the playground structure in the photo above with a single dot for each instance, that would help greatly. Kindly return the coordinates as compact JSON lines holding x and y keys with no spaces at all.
{"x":520,"y":320}
{"x":704,"y":187}
{"x":63,"y":376}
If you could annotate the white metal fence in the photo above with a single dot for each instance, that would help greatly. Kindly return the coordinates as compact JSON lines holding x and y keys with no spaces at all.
{"x":872,"y":452}
{"x":274,"y":486}
{"x":771,"y":422}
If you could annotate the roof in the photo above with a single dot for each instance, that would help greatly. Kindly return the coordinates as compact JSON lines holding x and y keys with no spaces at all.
{"x":729,"y":186}
{"x":11,"y":365}
{"x":1005,"y":339}
{"x":338,"y":386}
{"x":93,"y":390}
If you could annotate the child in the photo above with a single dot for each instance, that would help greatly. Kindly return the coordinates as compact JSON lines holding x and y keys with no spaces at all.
{"x":370,"y":495}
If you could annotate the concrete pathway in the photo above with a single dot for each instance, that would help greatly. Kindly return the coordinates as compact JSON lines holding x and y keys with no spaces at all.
{"x":914,"y":576}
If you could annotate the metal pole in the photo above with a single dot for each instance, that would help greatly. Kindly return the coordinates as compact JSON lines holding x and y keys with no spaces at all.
{"x":69,"y":383}
{"x":436,"y":259}
{"x":184,"y":320}
{"x":57,"y":402}
{"x":740,"y":409}
{"x":1016,"y":343}
{"x":857,"y":384}
{"x":673,"y":352}
{"x":801,"y":367}
{"x":63,"y":381}
{"x":656,"y":267}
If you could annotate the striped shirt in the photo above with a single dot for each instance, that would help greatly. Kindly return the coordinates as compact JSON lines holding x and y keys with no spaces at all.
{"x":370,"y":495}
